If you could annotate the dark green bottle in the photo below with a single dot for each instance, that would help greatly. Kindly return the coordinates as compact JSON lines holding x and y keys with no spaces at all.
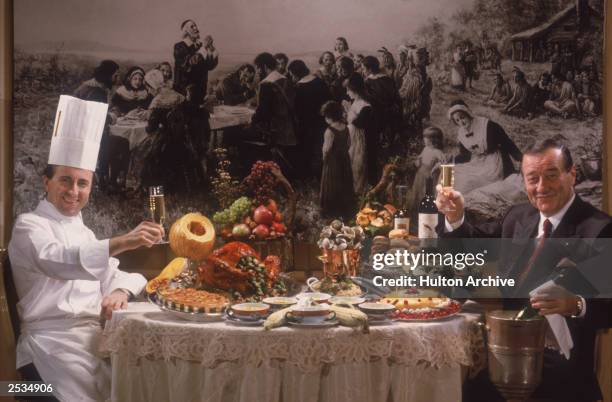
{"x":527,"y":313}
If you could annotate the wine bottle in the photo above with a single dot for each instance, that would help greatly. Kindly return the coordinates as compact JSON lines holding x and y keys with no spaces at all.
{"x":428,"y":213}
{"x":527,"y":313}
{"x":401,"y":217}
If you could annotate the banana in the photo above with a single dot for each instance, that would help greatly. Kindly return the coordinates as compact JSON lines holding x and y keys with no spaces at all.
{"x":351,"y":317}
{"x":276,"y":319}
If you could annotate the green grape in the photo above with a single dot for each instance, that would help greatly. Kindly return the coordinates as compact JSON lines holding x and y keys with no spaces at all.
{"x":234,"y":213}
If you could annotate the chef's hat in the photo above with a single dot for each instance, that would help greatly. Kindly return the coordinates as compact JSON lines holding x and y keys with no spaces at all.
{"x":77,"y":132}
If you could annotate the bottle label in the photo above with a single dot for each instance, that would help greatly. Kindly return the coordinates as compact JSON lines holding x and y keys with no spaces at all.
{"x":401,"y":223}
{"x":427,"y":226}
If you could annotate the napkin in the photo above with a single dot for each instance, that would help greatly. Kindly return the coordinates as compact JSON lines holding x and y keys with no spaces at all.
{"x":557,"y":322}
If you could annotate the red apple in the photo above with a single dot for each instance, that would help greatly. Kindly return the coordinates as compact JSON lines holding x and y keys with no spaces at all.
{"x":226,"y":232}
{"x":278,"y":217}
{"x":261,"y":232}
{"x":272,"y":206}
{"x":263,"y":215}
{"x":279,"y":227}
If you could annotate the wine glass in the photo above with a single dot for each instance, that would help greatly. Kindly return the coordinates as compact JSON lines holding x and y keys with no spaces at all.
{"x":447,"y":180}
{"x":157,"y":205}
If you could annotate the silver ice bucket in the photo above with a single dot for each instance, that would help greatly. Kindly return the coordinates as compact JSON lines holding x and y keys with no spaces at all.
{"x":515,"y":353}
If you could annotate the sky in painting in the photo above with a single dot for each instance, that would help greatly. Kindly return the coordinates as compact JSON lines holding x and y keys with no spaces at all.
{"x":237,"y":25}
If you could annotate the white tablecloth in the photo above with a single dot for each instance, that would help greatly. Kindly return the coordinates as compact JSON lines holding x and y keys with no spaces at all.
{"x":156,"y":357}
{"x":130,"y":129}
{"x":223,"y":116}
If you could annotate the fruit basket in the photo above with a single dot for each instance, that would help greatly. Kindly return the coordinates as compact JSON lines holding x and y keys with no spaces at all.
{"x":256,"y":218}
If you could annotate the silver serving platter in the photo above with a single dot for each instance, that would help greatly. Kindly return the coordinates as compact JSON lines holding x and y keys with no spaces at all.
{"x":195,"y":317}
{"x":446,"y":317}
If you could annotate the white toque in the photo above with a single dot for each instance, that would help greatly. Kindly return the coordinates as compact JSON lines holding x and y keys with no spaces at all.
{"x":77,"y":133}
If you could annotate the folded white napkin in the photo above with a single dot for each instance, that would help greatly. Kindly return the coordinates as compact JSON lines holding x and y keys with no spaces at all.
{"x":557,"y":322}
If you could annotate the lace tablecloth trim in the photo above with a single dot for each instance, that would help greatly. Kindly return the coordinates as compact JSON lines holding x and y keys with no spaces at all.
{"x":431,"y":344}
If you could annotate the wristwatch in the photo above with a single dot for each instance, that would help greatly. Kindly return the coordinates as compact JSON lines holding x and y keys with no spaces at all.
{"x":579,"y":307}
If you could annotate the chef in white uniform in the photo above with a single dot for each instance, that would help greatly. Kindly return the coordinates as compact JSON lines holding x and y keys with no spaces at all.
{"x":65,"y":277}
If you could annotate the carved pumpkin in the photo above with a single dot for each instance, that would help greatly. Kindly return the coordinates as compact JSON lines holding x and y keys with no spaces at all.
{"x":192,"y":236}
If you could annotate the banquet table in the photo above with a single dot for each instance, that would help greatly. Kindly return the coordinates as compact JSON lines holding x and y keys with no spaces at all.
{"x":157,"y":357}
{"x":223,"y":116}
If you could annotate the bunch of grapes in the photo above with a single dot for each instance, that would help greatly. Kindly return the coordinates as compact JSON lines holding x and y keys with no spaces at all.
{"x":261,"y":181}
{"x":238,"y":210}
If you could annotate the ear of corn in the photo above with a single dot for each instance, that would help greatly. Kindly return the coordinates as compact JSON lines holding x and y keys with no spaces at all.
{"x":276,"y":319}
{"x":351,"y":317}
{"x":172,"y":270}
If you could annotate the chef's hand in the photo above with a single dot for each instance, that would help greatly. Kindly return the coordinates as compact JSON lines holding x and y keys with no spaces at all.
{"x":555,"y":305}
{"x":146,"y":234}
{"x":452,"y":202}
{"x":117,"y":299}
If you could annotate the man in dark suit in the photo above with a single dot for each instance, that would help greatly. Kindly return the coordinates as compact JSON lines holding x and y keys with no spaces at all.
{"x":530,"y":255}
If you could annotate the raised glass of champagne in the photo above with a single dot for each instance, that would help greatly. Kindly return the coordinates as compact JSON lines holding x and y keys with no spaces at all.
{"x":447,"y":180}
{"x":157,"y":205}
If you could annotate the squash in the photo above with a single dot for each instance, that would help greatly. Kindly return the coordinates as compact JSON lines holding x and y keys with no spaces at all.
{"x":362,"y":219}
{"x":192,"y":236}
{"x":172,"y":270}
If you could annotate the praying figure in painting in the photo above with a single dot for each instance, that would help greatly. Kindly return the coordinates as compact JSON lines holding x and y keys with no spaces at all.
{"x":191,"y":67}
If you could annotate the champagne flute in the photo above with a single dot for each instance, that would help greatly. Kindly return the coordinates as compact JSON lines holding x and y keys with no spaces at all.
{"x":447,"y":180}
{"x":157,"y":205}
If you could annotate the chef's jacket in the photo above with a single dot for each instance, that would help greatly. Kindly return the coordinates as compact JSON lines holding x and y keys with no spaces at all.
{"x":62,"y":272}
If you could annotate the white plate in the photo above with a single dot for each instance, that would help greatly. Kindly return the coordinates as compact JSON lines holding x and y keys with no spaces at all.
{"x":243,"y":323}
{"x":322,"y":324}
{"x":352,"y":300}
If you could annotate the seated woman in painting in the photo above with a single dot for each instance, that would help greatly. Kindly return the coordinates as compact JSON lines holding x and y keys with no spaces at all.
{"x":166,"y":70}
{"x":132,"y":94}
{"x":485,"y":150}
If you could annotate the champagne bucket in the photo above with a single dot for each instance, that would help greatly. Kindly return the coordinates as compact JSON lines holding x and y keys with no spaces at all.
{"x":515,"y":353}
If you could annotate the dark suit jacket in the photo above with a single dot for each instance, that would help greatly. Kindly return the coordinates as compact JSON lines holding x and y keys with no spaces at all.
{"x":578,"y":238}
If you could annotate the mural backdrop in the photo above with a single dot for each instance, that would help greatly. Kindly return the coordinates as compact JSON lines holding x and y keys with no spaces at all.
{"x":191,"y":109}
